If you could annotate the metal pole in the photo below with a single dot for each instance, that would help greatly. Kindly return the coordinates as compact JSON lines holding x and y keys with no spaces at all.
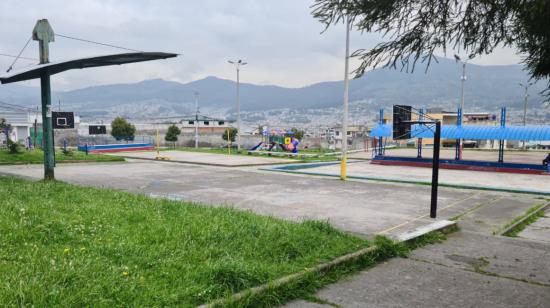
{"x":43,"y":33}
{"x":419,"y":149}
{"x":525,"y":96}
{"x":435,"y":169}
{"x":343,"y":163}
{"x":47,"y":132}
{"x":238,"y":112}
{"x":462,"y":79}
{"x":196,"y":120}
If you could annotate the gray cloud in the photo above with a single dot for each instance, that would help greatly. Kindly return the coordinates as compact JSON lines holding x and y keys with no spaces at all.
{"x":279,"y":39}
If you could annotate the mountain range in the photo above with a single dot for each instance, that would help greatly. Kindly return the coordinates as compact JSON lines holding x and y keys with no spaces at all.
{"x":486,"y":86}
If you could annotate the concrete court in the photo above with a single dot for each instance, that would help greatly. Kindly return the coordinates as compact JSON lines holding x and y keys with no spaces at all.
{"x":540,"y":183}
{"x":364,"y":208}
{"x":208,"y":158}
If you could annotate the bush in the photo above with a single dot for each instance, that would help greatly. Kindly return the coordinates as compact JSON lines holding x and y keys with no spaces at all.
{"x":172,"y":134}
{"x":14,"y":147}
{"x":231,"y":133}
{"x":67,"y":152}
{"x":122,"y":129}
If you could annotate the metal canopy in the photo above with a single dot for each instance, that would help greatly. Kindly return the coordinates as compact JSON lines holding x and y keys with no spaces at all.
{"x":474,"y":132}
{"x":58,"y":67}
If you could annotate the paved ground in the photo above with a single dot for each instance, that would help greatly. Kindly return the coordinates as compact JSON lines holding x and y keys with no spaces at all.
{"x":364,"y":208}
{"x":539,"y":230}
{"x":472,"y":268}
{"x":208,"y":158}
{"x":539,"y":183}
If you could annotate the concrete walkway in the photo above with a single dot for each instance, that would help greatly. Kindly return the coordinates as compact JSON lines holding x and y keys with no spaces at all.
{"x":472,"y":268}
{"x":539,"y":230}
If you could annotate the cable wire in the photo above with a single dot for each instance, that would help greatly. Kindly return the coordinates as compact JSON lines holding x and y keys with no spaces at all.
{"x":19,"y":55}
{"x":97,"y":43}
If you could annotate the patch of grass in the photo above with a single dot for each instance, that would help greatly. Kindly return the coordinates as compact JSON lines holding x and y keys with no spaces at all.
{"x":64,"y":245}
{"x":520,"y":227}
{"x":313,"y":281}
{"x":37,"y":157}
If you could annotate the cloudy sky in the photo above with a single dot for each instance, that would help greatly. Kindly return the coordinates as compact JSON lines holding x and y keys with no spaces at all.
{"x":279,"y":39}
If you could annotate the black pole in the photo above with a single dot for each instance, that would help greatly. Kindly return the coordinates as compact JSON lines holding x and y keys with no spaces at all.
{"x":435,"y":169}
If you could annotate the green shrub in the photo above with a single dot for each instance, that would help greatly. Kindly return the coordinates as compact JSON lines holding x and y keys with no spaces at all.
{"x":14,"y":147}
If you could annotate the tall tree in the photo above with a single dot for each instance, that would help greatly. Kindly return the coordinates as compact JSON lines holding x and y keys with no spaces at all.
{"x":122,"y":129}
{"x":416,"y":29}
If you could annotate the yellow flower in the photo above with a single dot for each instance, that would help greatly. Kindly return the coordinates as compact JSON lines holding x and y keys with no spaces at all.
{"x":125,"y":274}
{"x":66,"y":250}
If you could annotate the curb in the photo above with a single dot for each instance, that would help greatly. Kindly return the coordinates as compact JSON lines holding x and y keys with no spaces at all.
{"x":522,"y":220}
{"x":439,"y":226}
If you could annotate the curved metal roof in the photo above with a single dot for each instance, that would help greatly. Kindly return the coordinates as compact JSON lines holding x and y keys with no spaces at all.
{"x":473,"y":132}
{"x":58,"y":67}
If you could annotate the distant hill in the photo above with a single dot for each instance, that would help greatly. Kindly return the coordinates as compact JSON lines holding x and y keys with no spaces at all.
{"x":486,"y":86}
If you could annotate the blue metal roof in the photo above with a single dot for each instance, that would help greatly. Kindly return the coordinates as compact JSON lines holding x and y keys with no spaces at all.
{"x":382,"y":130}
{"x":473,"y":132}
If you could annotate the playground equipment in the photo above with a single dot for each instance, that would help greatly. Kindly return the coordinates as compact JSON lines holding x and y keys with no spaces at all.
{"x":277,"y":141}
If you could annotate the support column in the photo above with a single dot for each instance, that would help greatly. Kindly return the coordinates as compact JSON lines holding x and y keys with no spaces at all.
{"x":458,"y":150}
{"x":420,"y":118}
{"x":47,"y":131}
{"x":501,"y":142}
{"x":381,"y":122}
{"x":435,"y":169}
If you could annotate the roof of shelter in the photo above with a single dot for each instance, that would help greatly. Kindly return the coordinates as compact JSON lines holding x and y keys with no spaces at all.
{"x":472,"y":132}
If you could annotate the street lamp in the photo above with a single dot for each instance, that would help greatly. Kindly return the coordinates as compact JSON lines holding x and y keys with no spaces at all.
{"x":343,"y":162}
{"x":238,"y":65}
{"x":196,"y":93}
{"x":462,"y":81}
{"x":525,"y":96}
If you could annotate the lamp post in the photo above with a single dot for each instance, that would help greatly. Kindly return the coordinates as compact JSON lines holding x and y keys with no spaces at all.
{"x":343,"y":162}
{"x":525,"y":96}
{"x":463,"y":79}
{"x":238,"y":65}
{"x":196,"y":93}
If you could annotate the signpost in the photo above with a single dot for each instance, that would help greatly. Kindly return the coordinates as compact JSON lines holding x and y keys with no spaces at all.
{"x":43,"y":33}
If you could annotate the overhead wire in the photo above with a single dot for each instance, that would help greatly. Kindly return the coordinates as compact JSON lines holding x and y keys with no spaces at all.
{"x":97,"y":43}
{"x":19,"y":55}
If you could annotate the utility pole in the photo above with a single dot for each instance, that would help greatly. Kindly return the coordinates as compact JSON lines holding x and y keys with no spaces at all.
{"x":43,"y":33}
{"x":343,"y":162}
{"x":525,"y":96}
{"x":238,"y":65}
{"x":462,"y":81}
{"x":196,"y":119}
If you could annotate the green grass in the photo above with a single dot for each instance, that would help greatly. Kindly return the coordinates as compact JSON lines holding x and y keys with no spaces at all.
{"x":520,"y":227}
{"x":64,"y":245}
{"x":37,"y":157}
